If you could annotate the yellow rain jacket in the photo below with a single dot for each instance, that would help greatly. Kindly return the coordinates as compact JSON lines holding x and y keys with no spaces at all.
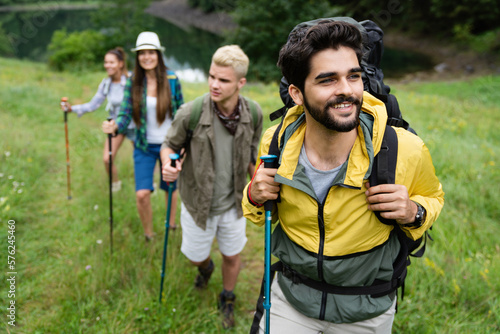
{"x":340,"y":241}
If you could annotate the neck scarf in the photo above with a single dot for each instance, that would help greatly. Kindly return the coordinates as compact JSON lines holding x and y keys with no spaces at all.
{"x":229,"y":122}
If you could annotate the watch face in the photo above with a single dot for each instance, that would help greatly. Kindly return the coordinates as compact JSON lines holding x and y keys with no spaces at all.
{"x":418,"y":216}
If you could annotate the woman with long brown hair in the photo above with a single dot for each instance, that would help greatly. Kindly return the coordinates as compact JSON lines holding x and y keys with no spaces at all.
{"x":151,"y":97}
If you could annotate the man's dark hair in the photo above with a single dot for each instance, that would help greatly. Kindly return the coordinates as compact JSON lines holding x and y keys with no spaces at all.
{"x":295,"y":56}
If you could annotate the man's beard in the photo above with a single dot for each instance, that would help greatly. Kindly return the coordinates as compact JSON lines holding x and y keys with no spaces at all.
{"x":330,"y":122}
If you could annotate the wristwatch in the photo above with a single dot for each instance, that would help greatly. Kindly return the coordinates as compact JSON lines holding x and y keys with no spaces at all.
{"x":419,"y":217}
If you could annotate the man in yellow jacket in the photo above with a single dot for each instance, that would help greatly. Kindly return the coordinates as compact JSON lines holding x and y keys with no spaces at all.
{"x":328,"y":231}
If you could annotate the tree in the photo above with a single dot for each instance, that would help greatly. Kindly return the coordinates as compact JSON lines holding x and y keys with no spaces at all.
{"x":122,"y":21}
{"x":209,"y":6}
{"x":263,"y":27}
{"x":439,"y":17}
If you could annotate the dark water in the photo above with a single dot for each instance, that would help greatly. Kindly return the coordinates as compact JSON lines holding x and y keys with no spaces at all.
{"x":29,"y":34}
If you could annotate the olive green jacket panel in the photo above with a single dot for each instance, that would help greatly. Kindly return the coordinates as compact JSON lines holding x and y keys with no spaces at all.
{"x":196,"y":180}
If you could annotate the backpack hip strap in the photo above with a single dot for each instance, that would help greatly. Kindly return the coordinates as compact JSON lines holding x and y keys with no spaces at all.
{"x":377,"y":289}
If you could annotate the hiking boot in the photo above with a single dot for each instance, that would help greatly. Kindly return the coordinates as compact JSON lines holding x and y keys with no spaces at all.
{"x":203,"y":277}
{"x":226,"y":307}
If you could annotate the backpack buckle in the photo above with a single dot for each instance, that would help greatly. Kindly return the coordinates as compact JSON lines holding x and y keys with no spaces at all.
{"x":291,"y":275}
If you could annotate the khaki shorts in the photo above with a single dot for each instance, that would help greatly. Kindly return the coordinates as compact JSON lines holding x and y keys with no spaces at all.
{"x":227,"y":227}
{"x":286,"y":319}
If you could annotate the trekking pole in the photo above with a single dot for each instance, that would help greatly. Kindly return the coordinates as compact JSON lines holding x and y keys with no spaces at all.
{"x":64,"y":101}
{"x":268,"y":206}
{"x":173,"y":157}
{"x":110,"y":189}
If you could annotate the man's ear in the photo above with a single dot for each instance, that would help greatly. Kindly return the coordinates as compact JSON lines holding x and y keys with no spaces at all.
{"x":296,"y":95}
{"x":242,"y":82}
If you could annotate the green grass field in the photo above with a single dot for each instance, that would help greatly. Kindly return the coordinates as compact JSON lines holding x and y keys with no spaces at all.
{"x":66,"y":281}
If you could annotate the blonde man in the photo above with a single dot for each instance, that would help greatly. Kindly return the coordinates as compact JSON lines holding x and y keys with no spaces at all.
{"x":212,"y":176}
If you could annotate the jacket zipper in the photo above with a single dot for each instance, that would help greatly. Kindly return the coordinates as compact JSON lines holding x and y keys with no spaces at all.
{"x":321,"y":226}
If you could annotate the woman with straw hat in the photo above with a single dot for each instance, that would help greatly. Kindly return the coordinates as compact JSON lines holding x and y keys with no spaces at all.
{"x":151,"y":98}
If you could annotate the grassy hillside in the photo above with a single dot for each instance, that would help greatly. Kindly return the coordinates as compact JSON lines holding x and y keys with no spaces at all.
{"x":67,"y":282}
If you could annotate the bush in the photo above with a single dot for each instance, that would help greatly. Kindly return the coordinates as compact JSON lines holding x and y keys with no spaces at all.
{"x":487,"y":42}
{"x":5,"y":44}
{"x":79,"y":50}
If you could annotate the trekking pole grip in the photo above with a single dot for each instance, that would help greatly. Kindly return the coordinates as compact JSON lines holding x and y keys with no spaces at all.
{"x":269,"y":162}
{"x":109,"y":119}
{"x":64,"y":100}
{"x":173,"y":158}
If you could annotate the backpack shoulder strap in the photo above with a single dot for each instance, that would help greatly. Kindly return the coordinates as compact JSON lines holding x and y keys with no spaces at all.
{"x":384,"y":165}
{"x":384,"y":172}
{"x":253,"y":111}
{"x":194,"y":118}
{"x":274,"y":148}
{"x":172,"y":79}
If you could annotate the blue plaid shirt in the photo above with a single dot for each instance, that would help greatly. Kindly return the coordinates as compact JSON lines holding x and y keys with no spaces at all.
{"x":125,"y":114}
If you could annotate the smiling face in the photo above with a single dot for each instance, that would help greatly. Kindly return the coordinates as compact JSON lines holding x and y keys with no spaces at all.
{"x":224,"y":84}
{"x":148,"y":59}
{"x":333,"y":90}
{"x":113,"y":65}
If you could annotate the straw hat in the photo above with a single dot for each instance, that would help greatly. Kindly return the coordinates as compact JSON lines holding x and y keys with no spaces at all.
{"x":148,"y":40}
